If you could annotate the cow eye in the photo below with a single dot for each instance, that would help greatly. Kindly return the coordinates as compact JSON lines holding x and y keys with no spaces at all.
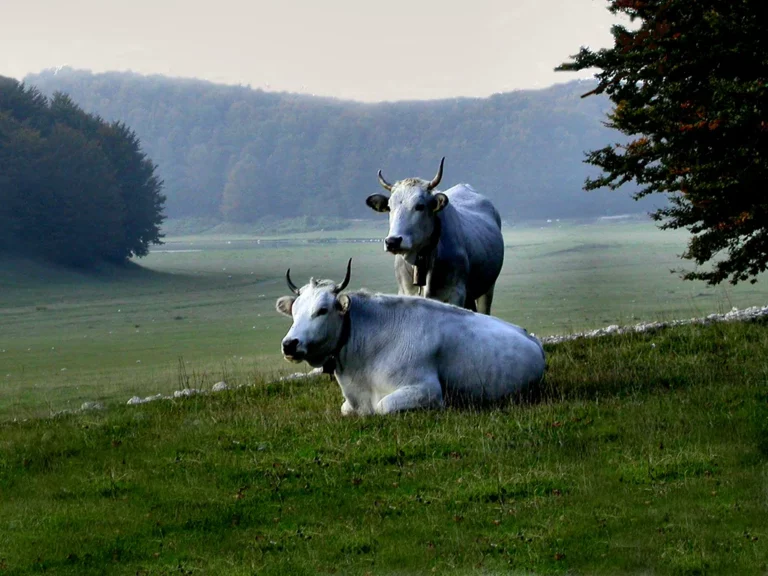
{"x":321,"y":311}
{"x":419,"y":207}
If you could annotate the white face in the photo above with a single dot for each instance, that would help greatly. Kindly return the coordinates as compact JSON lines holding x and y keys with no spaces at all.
{"x":412,"y":212}
{"x":317,"y":322}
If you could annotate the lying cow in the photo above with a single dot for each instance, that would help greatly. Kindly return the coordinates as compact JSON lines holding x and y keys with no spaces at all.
{"x":391,"y":353}
{"x":448,"y":242}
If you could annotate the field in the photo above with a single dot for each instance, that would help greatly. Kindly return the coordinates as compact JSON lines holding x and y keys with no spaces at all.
{"x":641,"y":453}
{"x":201,"y":308}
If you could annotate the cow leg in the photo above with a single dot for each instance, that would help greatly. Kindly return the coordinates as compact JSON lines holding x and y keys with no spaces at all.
{"x":456,"y":295}
{"x":346,"y":408}
{"x":426,"y":395}
{"x":484,"y":302}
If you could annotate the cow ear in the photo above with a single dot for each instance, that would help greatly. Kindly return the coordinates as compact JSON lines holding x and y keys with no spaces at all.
{"x":441,"y":201}
{"x":343,"y":303}
{"x":378,"y":202}
{"x":284,"y":305}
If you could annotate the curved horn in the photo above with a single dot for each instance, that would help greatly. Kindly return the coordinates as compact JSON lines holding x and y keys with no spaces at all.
{"x":344,"y":282}
{"x":291,"y":285}
{"x":438,"y":177}
{"x":384,"y":184}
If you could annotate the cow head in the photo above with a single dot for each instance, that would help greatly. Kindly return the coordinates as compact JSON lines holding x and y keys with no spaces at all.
{"x":318,"y":311}
{"x":413,"y":208}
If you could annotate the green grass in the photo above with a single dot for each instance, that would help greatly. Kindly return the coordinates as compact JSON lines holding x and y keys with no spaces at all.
{"x":68,"y":337}
{"x":644,"y":454}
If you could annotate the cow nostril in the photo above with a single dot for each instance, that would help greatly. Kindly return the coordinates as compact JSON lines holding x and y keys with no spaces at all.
{"x":289,"y":346}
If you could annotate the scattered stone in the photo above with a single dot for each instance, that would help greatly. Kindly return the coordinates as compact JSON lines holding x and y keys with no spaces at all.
{"x":735,"y":315}
{"x":186,"y":392}
{"x":87,"y":406}
{"x":220,"y":387}
{"x":293,"y":376}
{"x":137,"y":400}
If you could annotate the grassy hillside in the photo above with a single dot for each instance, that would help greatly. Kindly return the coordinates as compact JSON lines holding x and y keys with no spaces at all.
{"x":201,"y":307}
{"x":645,"y":454}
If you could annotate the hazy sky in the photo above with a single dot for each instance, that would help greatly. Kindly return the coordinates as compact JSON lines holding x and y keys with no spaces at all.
{"x":357,"y":49}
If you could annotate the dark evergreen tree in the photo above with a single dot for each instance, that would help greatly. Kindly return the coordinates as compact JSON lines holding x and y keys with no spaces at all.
{"x":73,"y":189}
{"x":140,"y":190}
{"x":690,"y":87}
{"x":73,"y":214}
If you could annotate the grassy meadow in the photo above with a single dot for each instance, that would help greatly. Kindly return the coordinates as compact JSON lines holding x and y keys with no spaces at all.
{"x":641,"y":453}
{"x":644,"y":454}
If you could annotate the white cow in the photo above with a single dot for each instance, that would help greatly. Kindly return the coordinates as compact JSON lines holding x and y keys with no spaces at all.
{"x":449,"y":243}
{"x":392,"y":353}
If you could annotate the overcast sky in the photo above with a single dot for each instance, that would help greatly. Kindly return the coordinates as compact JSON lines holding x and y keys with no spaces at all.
{"x":353,"y":49}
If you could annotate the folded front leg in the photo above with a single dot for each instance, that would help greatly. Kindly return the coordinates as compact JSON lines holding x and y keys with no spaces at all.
{"x":427,"y":394}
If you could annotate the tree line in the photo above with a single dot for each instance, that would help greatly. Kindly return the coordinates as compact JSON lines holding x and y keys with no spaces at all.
{"x":243,"y":155}
{"x":74,"y":189}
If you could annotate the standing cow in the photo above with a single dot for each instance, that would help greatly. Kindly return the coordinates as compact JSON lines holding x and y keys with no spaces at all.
{"x":392,"y":353}
{"x":448,"y":242}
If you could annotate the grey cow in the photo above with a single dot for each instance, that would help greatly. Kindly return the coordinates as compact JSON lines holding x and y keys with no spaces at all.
{"x":393,"y":353}
{"x":449,"y":243}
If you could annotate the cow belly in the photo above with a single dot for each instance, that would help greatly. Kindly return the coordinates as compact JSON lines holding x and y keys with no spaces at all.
{"x":489,"y":362}
{"x":485,"y":252}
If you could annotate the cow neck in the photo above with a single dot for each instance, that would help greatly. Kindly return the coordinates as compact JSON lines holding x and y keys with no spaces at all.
{"x":425,"y":257}
{"x":333,"y":362}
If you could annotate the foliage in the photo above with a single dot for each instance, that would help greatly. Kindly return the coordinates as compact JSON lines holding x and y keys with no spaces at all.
{"x":646,"y":454}
{"x":247,"y":155}
{"x":689,"y":84}
{"x":73,"y":189}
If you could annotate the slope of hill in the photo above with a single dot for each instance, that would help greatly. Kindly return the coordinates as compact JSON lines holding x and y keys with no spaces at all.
{"x":249,"y":155}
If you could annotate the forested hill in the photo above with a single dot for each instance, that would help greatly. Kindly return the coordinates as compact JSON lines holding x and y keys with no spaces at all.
{"x":248,"y":154}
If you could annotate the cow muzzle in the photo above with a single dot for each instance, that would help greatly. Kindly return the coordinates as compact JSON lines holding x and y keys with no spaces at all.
{"x":393,"y":243}
{"x":291,"y":350}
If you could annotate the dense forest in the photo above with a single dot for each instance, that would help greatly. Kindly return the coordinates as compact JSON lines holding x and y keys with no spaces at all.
{"x":246,"y":155}
{"x":74,"y":189}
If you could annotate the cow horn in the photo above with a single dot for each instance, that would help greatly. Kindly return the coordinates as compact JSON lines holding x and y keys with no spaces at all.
{"x":438,"y":177}
{"x":344,"y":282}
{"x":384,"y":184}
{"x":291,"y":285}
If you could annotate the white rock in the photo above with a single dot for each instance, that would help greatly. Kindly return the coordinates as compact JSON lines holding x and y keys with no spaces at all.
{"x":220,"y":387}
{"x":186,"y":392}
{"x":86,"y":406}
{"x":750,"y":313}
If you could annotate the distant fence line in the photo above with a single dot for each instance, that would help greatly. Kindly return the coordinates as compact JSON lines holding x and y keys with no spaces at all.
{"x":270,"y":243}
